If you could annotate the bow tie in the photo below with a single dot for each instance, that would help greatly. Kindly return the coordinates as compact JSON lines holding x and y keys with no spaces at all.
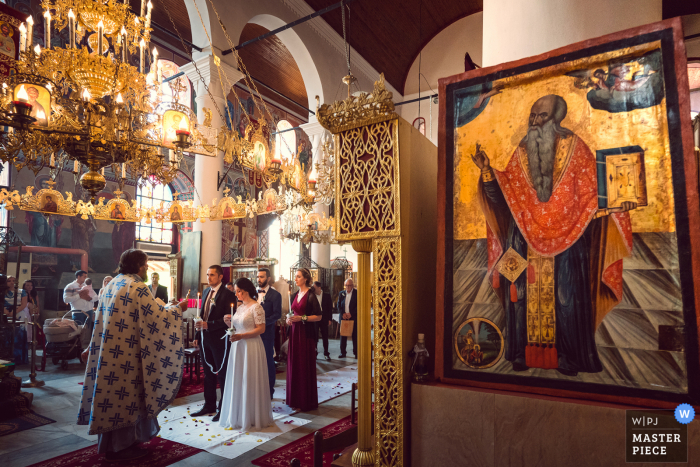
{"x":261,"y":290}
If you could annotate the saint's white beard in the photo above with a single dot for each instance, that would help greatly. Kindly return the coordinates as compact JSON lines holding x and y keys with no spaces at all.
{"x":541,"y":142}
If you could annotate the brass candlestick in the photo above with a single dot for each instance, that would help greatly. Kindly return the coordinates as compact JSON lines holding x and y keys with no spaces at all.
{"x":32,"y":382}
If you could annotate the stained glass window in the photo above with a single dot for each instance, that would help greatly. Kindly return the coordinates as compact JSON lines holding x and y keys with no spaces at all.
{"x":153,"y":196}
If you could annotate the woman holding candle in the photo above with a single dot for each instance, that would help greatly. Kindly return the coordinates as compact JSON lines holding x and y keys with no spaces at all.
{"x":301,"y":354}
{"x":246,"y":402}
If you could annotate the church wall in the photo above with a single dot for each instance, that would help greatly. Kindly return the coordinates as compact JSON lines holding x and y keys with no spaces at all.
{"x":514,"y":29}
{"x":480,"y":428}
{"x":442,"y":56}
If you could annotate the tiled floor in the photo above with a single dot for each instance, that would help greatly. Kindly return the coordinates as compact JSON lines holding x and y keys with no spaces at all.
{"x":60,"y":397}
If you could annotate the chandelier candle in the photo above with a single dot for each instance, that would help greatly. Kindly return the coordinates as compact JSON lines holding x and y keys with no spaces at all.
{"x":142,"y":44}
{"x":30,"y":32}
{"x":148,"y":17}
{"x":71,"y":28}
{"x":100,"y":36}
{"x":124,"y":44}
{"x":143,"y":7}
{"x":22,"y":37}
{"x":47,"y":29}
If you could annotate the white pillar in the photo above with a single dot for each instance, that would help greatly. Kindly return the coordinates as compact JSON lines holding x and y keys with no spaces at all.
{"x":515,"y":29}
{"x":206,"y":168}
{"x":320,"y":253}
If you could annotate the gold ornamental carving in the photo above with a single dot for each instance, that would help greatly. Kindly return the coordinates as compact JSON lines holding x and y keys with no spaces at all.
{"x":388,"y":358}
{"x":357,"y":111}
{"x":117,"y":209}
{"x":48,"y":201}
{"x":367,"y":163}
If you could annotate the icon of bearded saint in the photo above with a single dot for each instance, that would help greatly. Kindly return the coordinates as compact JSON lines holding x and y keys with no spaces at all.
{"x":544,"y":205}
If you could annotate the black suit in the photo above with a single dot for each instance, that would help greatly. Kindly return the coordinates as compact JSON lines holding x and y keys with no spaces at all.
{"x":327,"y":312}
{"x":272,"y":304}
{"x":161,"y":292}
{"x":353,"y":312}
{"x":212,"y":346}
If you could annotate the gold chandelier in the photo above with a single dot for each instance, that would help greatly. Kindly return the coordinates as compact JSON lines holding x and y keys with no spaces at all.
{"x":307,"y":227}
{"x":88,"y":105}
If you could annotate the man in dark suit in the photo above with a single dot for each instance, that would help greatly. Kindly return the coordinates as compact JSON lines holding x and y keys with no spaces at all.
{"x":157,"y":290}
{"x":347,"y":310}
{"x":326,"y":302}
{"x":216,"y":303}
{"x":271,"y":301}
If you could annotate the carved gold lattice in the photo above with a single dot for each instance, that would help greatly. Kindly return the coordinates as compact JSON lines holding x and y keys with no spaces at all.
{"x":367,"y":163}
{"x":388,"y":359}
{"x":177,"y":212}
{"x":48,"y":201}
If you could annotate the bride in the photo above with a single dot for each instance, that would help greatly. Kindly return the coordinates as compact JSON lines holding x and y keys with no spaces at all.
{"x":246,"y":401}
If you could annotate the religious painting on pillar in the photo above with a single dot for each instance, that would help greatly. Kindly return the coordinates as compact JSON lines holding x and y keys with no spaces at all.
{"x":566,"y":221}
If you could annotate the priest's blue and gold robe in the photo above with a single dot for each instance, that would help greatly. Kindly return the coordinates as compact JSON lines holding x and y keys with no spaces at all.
{"x":135,"y":361}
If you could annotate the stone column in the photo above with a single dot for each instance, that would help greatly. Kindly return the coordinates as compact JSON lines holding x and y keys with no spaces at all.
{"x":320,"y":253}
{"x":534,"y":27}
{"x":206,"y":168}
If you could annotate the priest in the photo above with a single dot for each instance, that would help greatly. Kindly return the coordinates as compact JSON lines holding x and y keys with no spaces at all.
{"x":554,"y":258}
{"x":134,"y":364}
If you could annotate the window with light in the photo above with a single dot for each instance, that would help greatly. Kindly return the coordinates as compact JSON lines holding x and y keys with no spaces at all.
{"x":151,"y":196}
{"x":285,"y":143}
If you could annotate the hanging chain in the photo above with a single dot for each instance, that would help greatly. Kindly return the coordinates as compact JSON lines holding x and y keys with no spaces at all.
{"x":345,"y":36}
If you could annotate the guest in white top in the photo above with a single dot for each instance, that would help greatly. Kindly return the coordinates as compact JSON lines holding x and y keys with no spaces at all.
{"x":246,"y":403}
{"x":80,"y":300}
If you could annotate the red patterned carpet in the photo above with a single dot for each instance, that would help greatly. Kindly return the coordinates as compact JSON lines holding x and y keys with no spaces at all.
{"x":303,"y":448}
{"x":162,"y":453}
{"x":191,"y":387}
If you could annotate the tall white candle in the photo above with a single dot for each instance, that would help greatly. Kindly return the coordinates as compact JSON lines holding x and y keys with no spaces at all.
{"x":52,"y":162}
{"x":22,"y":37}
{"x":123,"y":170}
{"x":143,"y":7}
{"x":76,"y":166}
{"x":71,"y":28}
{"x":154,"y":64}
{"x":47,"y":29}
{"x":148,"y":17}
{"x":30,"y":33}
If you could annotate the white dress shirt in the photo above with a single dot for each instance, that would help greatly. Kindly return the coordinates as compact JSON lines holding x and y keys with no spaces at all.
{"x":348,"y":296}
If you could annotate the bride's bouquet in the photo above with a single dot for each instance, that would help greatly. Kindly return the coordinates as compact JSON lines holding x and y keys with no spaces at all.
{"x":231,"y":331}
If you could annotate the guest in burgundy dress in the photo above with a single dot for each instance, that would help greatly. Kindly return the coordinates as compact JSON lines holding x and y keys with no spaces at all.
{"x":301,"y":354}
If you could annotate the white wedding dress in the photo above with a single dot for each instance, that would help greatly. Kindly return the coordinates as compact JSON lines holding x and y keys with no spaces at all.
{"x":246,"y":402}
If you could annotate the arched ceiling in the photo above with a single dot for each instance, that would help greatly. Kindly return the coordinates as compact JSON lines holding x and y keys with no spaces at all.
{"x":269,"y":61}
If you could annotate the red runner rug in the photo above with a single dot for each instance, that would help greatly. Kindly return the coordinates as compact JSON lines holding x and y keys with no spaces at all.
{"x":303,"y":448}
{"x":161,"y":453}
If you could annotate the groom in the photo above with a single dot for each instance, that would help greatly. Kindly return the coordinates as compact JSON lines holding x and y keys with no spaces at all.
{"x":216,"y":303}
{"x":271,"y":301}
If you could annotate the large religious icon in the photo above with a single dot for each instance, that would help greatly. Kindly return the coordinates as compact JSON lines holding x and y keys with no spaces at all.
{"x":562,"y":175}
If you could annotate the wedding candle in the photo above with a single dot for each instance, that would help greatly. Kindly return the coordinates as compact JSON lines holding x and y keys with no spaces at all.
{"x":22,"y":37}
{"x":142,"y":44}
{"x":71,"y":28}
{"x":47,"y":29}
{"x":199,"y":302}
{"x":232,"y":309}
{"x":100,"y":36}
{"x":30,"y":33}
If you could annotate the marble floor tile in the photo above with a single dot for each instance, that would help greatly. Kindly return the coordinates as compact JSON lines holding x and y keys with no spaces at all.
{"x":602,"y":336}
{"x":643,"y":257}
{"x":666,"y":318}
{"x":45,"y":450}
{"x":460,"y":251}
{"x":664,"y":246}
{"x":656,"y":370}
{"x":472,"y":254}
{"x":28,"y":438}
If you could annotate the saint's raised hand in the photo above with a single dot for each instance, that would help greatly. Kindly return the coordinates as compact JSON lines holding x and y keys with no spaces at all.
{"x":480,"y":158}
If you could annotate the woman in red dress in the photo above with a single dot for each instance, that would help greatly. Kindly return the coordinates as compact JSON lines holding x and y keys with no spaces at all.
{"x":301,"y":354}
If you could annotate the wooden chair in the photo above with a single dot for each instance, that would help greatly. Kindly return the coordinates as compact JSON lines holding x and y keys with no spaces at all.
{"x":192,"y":357}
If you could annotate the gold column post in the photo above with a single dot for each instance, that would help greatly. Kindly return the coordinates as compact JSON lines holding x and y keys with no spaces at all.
{"x":364,"y":454}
